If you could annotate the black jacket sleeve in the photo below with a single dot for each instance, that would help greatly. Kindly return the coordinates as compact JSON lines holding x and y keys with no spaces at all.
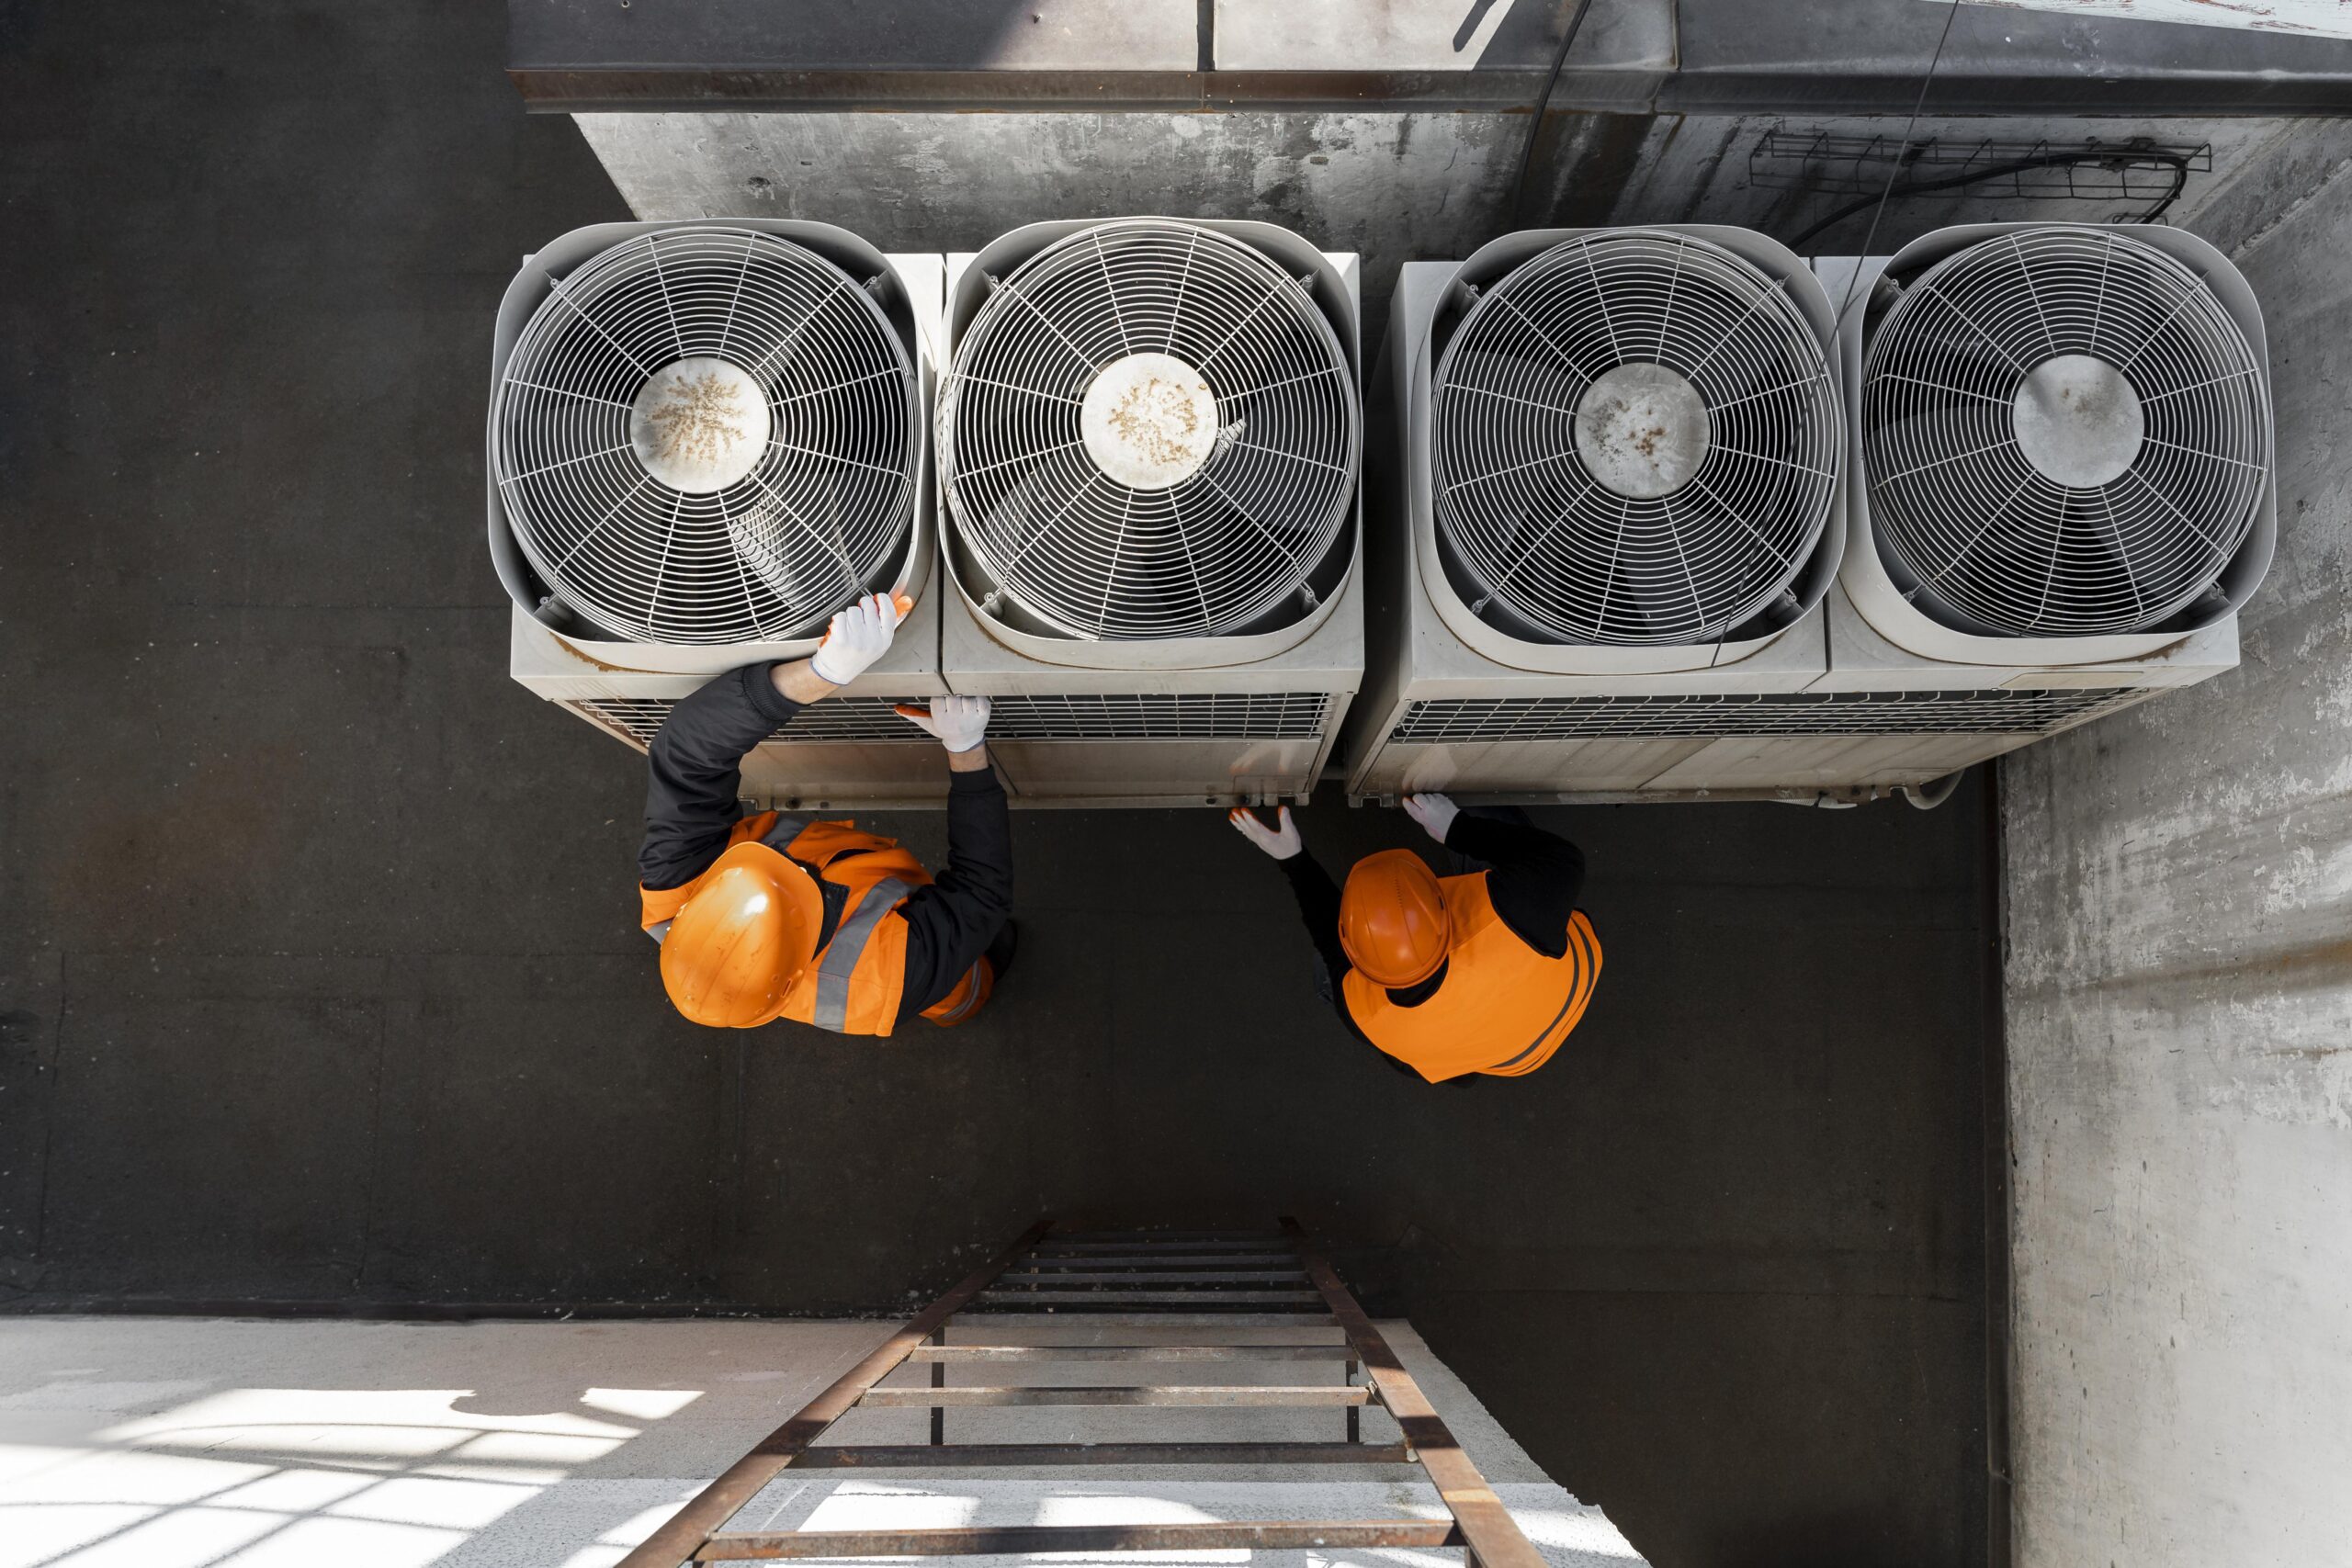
{"x":1319,"y":905}
{"x":1533,"y":877}
{"x":696,"y":773}
{"x":952,"y":922}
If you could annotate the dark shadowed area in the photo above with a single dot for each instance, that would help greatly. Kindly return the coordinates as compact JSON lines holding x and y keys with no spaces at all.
{"x":319,"y":975}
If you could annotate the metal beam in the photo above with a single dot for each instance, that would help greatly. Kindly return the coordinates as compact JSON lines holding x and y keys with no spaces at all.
{"x":1014,"y":1456}
{"x":718,"y":1502}
{"x":1487,"y":1529}
{"x":1126,"y":1353}
{"x":1204,"y":1396}
{"x":988,"y":1540}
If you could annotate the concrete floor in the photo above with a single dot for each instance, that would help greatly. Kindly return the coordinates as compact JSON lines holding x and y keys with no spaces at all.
{"x":319,"y":980}
{"x":200,"y":1443}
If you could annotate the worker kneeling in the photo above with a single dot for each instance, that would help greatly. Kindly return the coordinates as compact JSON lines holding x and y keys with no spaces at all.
{"x":771,"y":916}
{"x":1483,"y":972}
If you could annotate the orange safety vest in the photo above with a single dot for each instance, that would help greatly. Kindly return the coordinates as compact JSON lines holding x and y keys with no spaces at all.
{"x":1501,"y":1010}
{"x":857,"y":979}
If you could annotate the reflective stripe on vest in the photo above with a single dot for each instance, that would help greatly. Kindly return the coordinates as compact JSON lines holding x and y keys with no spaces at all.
{"x":1580,"y":990}
{"x":847,"y":947}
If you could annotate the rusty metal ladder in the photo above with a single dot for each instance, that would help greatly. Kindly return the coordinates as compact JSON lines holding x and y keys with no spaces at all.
{"x":1109,"y":1278}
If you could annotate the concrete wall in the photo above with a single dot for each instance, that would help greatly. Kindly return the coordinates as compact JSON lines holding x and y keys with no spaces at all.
{"x":2179,"y":972}
{"x":202,"y":1443}
{"x":1395,"y":186}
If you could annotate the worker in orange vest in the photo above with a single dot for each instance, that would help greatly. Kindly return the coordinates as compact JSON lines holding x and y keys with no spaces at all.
{"x":770,"y":917}
{"x":1483,"y":972}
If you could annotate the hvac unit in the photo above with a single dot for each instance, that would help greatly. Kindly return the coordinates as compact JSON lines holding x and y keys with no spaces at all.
{"x":705,"y":439}
{"x":2061,"y":492}
{"x":1610,"y":509}
{"x":1149,"y":444}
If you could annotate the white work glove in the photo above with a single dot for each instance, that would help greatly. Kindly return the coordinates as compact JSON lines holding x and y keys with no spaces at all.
{"x":1433,"y":812}
{"x":859,"y":635}
{"x":960,"y":723}
{"x":1282,"y":842}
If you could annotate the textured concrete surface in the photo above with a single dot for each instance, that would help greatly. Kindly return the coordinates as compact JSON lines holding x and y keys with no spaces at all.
{"x":196,"y":1443}
{"x":2179,"y":885}
{"x":1396,"y":186}
{"x":319,"y":980}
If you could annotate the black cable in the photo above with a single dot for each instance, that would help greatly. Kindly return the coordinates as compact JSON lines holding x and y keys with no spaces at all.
{"x":1535,"y":115}
{"x":2176,"y":161}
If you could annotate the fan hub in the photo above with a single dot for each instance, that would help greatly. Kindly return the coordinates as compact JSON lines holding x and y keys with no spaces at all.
{"x":1641,"y":431}
{"x":2079,"y":421}
{"x":1149,"y":421}
{"x":699,"y":424}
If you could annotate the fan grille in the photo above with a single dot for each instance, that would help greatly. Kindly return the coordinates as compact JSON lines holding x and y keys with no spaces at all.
{"x":825,"y":508}
{"x":2065,"y":434}
{"x":1634,"y":441}
{"x":1211,"y":530}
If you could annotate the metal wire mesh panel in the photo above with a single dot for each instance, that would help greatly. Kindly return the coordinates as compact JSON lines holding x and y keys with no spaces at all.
{"x":2065,"y":434}
{"x":1634,"y":437}
{"x":1156,"y":715}
{"x":708,"y":435}
{"x":1757,"y":714}
{"x":836,"y":718}
{"x":1151,"y":431}
{"x":1160,"y":716}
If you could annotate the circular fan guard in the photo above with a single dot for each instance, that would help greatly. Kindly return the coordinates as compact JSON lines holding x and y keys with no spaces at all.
{"x":1634,"y":441}
{"x":1215,"y":528}
{"x":2065,"y":434}
{"x":826,"y":508}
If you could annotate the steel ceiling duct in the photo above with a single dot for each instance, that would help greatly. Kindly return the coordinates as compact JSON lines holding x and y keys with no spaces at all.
{"x":709,"y":434}
{"x":1150,"y":432}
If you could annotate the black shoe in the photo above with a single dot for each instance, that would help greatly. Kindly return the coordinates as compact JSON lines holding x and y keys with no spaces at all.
{"x":1002,"y":947}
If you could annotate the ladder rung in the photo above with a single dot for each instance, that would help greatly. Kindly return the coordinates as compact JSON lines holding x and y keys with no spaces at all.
{"x":993,"y":1540}
{"x":1237,"y":1395}
{"x":982,"y":1456}
{"x":1220,"y":1259}
{"x":1207,"y":1277}
{"x":1152,"y":1328}
{"x":1173,"y":1249}
{"x":1255,"y":1239}
{"x":1132,"y":1353}
{"x":1112,"y":1298}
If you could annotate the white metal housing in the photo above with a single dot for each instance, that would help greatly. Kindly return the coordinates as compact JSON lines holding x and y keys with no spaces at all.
{"x":1870,"y":576}
{"x":1249,"y":714}
{"x":1450,"y":704}
{"x":1834,"y":707}
{"x":849,"y":751}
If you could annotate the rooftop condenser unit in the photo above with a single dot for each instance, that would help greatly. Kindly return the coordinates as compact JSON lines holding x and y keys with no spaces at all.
{"x":2062,"y":491}
{"x":1613,"y":508}
{"x":705,"y":439}
{"x":1149,"y":444}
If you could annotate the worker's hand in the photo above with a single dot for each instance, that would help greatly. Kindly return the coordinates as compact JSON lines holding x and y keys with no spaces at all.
{"x":859,"y":635}
{"x":1434,"y":812}
{"x":1281,"y":842}
{"x":960,"y":723}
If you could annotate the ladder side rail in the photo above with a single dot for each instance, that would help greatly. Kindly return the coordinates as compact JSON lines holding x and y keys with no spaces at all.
{"x":685,"y":1532}
{"x":1494,"y":1539}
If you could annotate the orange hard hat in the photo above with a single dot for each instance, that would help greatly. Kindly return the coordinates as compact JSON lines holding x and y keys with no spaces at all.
{"x":744,"y":938}
{"x":1392,"y":920}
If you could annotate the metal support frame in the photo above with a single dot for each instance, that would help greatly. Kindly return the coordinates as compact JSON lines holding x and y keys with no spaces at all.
{"x":1195,"y":1278}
